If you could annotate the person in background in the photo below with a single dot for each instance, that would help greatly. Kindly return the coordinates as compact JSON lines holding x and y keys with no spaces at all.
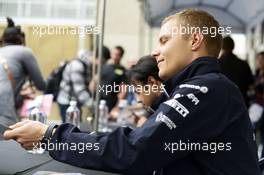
{"x":119,"y":79}
{"x":74,"y":84}
{"x":22,"y":65}
{"x":105,"y":58}
{"x":54,"y":80}
{"x":260,"y":66}
{"x":145,"y":73}
{"x":259,"y":79}
{"x":259,"y":96}
{"x":113,"y":74}
{"x":235,"y":69}
{"x":116,"y":55}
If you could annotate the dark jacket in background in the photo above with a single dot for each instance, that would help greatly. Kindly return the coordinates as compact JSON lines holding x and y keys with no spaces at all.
{"x":111,"y":77}
{"x":237,"y":71}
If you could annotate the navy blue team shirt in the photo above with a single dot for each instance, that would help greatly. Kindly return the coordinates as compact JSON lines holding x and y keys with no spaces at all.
{"x":202,"y":129}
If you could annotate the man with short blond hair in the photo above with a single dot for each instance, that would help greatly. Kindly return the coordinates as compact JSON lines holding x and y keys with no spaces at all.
{"x":202,"y":128}
{"x":199,"y":21}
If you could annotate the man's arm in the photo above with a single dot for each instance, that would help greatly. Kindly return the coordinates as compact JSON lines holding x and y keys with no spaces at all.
{"x":30,"y":63}
{"x":150,"y":147}
{"x":144,"y":149}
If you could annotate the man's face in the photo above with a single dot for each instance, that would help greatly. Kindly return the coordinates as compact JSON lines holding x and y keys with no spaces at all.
{"x":173,"y":52}
{"x":116,"y":55}
{"x":148,"y":93}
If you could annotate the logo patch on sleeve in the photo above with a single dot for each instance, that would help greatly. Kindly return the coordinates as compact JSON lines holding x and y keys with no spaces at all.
{"x":177,"y":96}
{"x":203,"y":89}
{"x":163,"y":118}
{"x":193,"y":98}
{"x":177,"y":106}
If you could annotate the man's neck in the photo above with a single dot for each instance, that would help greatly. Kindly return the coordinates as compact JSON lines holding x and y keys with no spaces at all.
{"x":199,"y":55}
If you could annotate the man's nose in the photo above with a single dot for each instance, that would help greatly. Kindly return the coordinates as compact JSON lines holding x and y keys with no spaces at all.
{"x":155,"y":53}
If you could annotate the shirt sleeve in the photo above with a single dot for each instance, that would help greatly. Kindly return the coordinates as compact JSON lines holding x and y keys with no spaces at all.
{"x":32,"y":68}
{"x":183,"y":118}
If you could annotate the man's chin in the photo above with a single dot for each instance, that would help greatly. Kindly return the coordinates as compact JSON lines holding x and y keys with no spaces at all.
{"x":163,"y":75}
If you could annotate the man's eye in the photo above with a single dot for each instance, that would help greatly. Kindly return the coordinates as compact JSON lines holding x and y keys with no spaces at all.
{"x":163,"y":41}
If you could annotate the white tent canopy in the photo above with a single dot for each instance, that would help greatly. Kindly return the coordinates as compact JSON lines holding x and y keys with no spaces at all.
{"x":235,"y":13}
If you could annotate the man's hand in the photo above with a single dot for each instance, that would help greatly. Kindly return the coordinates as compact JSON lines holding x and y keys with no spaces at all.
{"x":26,"y":133}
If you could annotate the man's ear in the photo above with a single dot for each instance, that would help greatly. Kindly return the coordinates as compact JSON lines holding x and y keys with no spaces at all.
{"x":197,"y":40}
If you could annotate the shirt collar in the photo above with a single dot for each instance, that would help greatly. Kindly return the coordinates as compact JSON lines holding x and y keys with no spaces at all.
{"x":199,"y":66}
